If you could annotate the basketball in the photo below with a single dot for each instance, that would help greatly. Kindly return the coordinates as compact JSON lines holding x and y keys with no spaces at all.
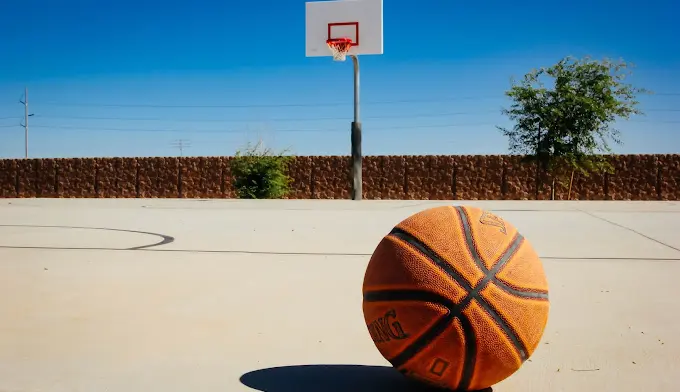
{"x":455,"y":297}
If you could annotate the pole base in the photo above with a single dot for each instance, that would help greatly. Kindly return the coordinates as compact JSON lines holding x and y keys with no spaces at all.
{"x":357,"y":181}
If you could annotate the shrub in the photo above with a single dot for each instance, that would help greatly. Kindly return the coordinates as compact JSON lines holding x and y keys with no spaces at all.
{"x":259,"y":173}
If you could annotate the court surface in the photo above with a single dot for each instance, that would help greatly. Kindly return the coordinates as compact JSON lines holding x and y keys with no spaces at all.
{"x":223,"y":295}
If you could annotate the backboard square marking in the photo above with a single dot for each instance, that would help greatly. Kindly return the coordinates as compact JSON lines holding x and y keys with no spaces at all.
{"x":355,"y":38}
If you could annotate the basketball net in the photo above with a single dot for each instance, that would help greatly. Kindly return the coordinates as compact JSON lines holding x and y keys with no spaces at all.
{"x":339,"y":47}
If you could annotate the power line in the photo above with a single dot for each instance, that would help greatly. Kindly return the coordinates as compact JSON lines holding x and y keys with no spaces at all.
{"x":261,"y":119}
{"x":428,"y":100}
{"x":656,"y":121}
{"x":317,"y":130}
{"x":140,"y":105}
{"x":245,"y":130}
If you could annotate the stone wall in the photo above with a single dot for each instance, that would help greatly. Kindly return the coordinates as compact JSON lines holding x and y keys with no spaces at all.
{"x":463,"y":177}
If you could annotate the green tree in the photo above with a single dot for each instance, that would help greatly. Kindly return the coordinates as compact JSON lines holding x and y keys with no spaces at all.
{"x":259,"y":173}
{"x":564,"y":115}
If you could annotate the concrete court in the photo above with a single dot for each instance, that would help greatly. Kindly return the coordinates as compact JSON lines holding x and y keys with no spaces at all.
{"x":218,"y":292}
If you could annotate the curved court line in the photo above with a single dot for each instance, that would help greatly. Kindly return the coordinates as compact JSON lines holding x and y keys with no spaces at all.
{"x":165,"y":239}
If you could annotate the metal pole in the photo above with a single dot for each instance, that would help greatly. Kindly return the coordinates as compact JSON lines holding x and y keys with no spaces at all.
{"x":357,"y":184}
{"x":26,"y":122}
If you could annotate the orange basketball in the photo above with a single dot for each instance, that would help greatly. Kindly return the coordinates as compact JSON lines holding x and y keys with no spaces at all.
{"x":455,"y":297}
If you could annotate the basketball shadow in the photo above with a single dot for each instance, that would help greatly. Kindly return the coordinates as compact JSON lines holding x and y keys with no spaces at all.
{"x":331,"y":378}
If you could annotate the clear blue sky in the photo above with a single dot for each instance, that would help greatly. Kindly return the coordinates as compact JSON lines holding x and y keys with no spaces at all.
{"x":104,"y":75}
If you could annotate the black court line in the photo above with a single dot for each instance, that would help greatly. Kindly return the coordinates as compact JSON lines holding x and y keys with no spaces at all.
{"x":165,"y":239}
{"x":255,"y":209}
{"x":217,"y":207}
{"x":432,"y":203}
{"x":335,"y":254}
{"x":208,"y":251}
{"x":611,"y":258}
{"x":454,"y":203}
{"x":629,"y":229}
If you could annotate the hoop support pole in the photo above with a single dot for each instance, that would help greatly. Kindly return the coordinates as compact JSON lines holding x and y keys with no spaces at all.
{"x":357,"y":182}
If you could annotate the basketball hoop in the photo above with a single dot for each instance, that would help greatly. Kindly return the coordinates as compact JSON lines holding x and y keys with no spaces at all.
{"x":339,"y":47}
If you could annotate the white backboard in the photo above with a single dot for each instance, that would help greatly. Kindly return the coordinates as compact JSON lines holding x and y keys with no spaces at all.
{"x":360,"y":20}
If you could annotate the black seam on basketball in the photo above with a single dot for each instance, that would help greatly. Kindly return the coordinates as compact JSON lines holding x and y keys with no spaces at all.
{"x":469,"y":239}
{"x":516,"y":242}
{"x":455,"y":309}
{"x":507,"y":329}
{"x":470,"y":352}
{"x":510,"y":289}
{"x":426,"y":337}
{"x":409,"y":295}
{"x":433,"y":256}
{"x":510,"y":332}
{"x":422,"y":341}
{"x":519,"y":288}
{"x":473,"y":293}
{"x":524,"y":294}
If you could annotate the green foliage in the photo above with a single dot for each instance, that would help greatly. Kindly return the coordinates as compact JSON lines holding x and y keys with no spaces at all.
{"x":259,"y":173}
{"x":571,"y":122}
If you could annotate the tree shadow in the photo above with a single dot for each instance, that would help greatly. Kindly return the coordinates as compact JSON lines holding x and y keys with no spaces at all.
{"x":331,"y":378}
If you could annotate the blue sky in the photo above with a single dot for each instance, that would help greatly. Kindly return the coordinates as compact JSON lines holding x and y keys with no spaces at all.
{"x":130,"y":78}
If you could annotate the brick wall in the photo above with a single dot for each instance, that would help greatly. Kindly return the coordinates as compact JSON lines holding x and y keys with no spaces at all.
{"x":464,"y":177}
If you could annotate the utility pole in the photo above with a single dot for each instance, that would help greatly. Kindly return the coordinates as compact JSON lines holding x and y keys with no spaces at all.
{"x":25,"y":124}
{"x":181,"y":144}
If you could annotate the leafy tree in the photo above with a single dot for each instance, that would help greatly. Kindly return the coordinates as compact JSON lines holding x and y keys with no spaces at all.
{"x":259,"y":173}
{"x":564,"y":115}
